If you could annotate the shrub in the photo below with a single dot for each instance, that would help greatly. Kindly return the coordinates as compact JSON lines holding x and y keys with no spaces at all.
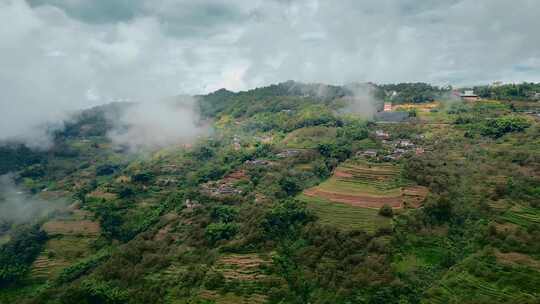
{"x":220,"y":231}
{"x":106,"y":169}
{"x":386,"y":210}
{"x":498,"y":127}
{"x":224,"y":213}
{"x":214,"y":280}
{"x":143,"y":177}
{"x":285,"y":218}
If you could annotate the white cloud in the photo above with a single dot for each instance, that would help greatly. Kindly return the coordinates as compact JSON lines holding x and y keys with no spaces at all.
{"x":147,"y":126}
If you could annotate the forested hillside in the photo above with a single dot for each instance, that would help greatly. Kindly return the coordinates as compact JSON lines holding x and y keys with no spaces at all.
{"x":291,"y":198}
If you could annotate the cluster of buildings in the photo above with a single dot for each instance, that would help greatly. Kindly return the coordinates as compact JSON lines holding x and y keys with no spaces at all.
{"x":396,"y":149}
{"x":225,"y":186}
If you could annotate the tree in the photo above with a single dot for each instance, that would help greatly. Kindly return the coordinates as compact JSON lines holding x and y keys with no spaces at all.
{"x":506,"y":124}
{"x":220,"y":231}
{"x":223,"y":213}
{"x":290,"y":185}
{"x":18,"y":254}
{"x":285,"y":218}
{"x":386,"y":211}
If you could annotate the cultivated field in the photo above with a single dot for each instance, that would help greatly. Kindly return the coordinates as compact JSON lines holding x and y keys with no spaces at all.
{"x":308,"y":138}
{"x":70,"y":241}
{"x":351,"y":198}
{"x":345,"y":216}
{"x":461,"y":286}
{"x":522,"y":216}
{"x":368,"y":185}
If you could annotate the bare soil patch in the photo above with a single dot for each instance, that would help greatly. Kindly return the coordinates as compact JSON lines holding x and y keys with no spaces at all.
{"x":343,"y":174}
{"x":516,"y":258}
{"x":244,"y":267}
{"x":101,"y":194}
{"x":83,"y":227}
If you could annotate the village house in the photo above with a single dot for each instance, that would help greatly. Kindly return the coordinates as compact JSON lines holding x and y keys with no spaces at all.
{"x":367,"y":153}
{"x":236,"y":143}
{"x":220,"y":189}
{"x":166,"y":181}
{"x":469,"y":95}
{"x":405,"y":143}
{"x":390,"y":157}
{"x":191,"y":204}
{"x":399,"y":151}
{"x":380,"y":134}
{"x":226,"y":189}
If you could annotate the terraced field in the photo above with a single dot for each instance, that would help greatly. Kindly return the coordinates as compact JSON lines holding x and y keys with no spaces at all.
{"x":308,"y":138}
{"x":246,"y":271}
{"x":351,"y":198}
{"x":514,"y":283}
{"x":241,"y":270}
{"x":368,"y":185}
{"x":345,"y":216}
{"x":231,"y":298}
{"x":59,"y":253}
{"x":522,"y":216}
{"x":71,"y":237}
{"x":478,"y":289}
{"x":243,"y":267}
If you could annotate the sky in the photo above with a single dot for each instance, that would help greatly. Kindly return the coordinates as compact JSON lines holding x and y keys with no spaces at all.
{"x":62,"y":55}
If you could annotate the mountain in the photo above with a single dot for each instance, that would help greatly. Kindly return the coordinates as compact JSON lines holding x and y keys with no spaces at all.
{"x":291,"y":193}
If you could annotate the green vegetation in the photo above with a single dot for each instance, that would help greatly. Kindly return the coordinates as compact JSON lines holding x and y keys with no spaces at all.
{"x":288,"y":201}
{"x":345,"y":216}
{"x":522,"y":91}
{"x":411,"y":92}
{"x":17,"y":254}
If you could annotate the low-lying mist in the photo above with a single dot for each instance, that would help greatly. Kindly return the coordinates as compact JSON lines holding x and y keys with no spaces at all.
{"x":361,"y":101}
{"x":148,"y":126}
{"x":18,"y":207}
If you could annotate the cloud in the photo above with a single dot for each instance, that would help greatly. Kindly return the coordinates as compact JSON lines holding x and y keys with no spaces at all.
{"x":19,"y":207}
{"x":361,"y":101}
{"x":56,"y":51}
{"x":148,"y":126}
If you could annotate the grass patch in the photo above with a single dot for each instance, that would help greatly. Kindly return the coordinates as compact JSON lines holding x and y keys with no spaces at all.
{"x":309,"y":138}
{"x":345,"y":216}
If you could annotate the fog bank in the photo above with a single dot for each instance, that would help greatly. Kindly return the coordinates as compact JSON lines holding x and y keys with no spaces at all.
{"x":18,"y":207}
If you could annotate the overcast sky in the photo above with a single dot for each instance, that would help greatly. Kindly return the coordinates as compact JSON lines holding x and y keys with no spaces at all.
{"x":57,"y":55}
